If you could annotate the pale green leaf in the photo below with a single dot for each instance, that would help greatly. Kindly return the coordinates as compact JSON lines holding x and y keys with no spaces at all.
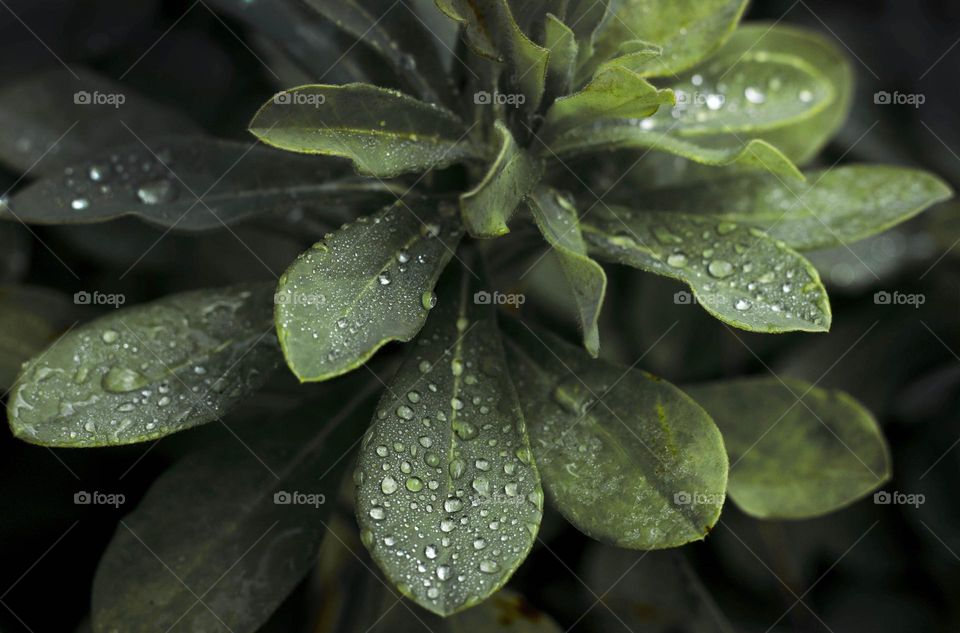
{"x":687,"y":30}
{"x":836,"y":206}
{"x":634,"y":55}
{"x":147,"y":371}
{"x":559,"y":223}
{"x":384,"y":132}
{"x":796,"y":451}
{"x":362,"y":286}
{"x":488,"y":207}
{"x":737,"y":273}
{"x":562,"y":63}
{"x":448,"y":498}
{"x":243,"y":543}
{"x":626,"y":457}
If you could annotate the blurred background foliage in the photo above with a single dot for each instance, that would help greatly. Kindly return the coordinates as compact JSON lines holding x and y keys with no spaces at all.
{"x":870,"y":567}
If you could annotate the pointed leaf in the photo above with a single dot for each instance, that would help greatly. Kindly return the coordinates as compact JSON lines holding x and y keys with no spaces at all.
{"x":148,"y":370}
{"x":627,"y":458}
{"x":384,"y":132}
{"x":367,"y":284}
{"x":473,"y":24}
{"x":796,"y":451}
{"x":614,"y":93}
{"x":526,"y":60}
{"x":188,"y":184}
{"x":687,"y":30}
{"x":837,"y":206}
{"x":634,"y":55}
{"x":448,"y":498}
{"x":559,"y":223}
{"x":489,"y":206}
{"x":53,"y":118}
{"x":737,"y":273}
{"x":243,"y":544}
{"x":562,"y":63}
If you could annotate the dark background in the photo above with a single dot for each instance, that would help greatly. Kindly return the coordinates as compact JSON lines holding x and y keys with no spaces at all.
{"x":867,"y":568}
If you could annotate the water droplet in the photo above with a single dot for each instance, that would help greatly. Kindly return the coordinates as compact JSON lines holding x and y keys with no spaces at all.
{"x":377,"y":513}
{"x":122,"y":380}
{"x":109,"y":336}
{"x":754,"y":96}
{"x":430,"y":551}
{"x":388,"y":485}
{"x":489,"y":566}
{"x":677,"y":260}
{"x":720,"y":268}
{"x":414,"y":484}
{"x":156,"y":192}
{"x":79,"y":204}
{"x":742,"y":304}
{"x":428,"y":300}
{"x":384,"y":279}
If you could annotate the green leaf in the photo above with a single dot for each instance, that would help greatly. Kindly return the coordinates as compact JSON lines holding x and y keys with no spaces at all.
{"x":526,"y":60}
{"x":687,"y":30}
{"x":473,"y":25}
{"x":147,"y":371}
{"x":189,"y":184}
{"x":243,"y":544}
{"x":627,"y":458}
{"x":559,"y":223}
{"x":367,"y":284}
{"x":488,"y":207}
{"x":801,"y":141}
{"x":30,"y":319}
{"x":737,"y":273}
{"x":384,"y":132}
{"x":840,"y":205}
{"x":614,"y":93}
{"x":562,"y":63}
{"x":751,"y":155}
{"x":51,"y":119}
{"x":448,"y":498}
{"x":796,"y":451}
{"x":634,"y":55}
{"x":588,"y":19}
{"x":398,"y":35}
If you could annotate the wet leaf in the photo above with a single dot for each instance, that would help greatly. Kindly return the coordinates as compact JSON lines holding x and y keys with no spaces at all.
{"x":147,"y":371}
{"x":242,"y":544}
{"x":687,"y":30}
{"x":559,"y":223}
{"x":52,"y":119}
{"x":489,"y":206}
{"x":189,"y":184}
{"x":835,"y":206}
{"x":384,"y":132}
{"x":796,"y":451}
{"x":448,"y":498}
{"x":362,"y":286}
{"x":627,"y":458}
{"x":737,"y":273}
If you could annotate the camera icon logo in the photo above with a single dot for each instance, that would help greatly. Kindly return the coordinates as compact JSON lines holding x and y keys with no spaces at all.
{"x":82,"y":97}
{"x":882,"y":98}
{"x":482,"y":298}
{"x":882,"y":298}
{"x":283,"y":98}
{"x":482,"y":98}
{"x":882,"y":497}
{"x":682,"y":498}
{"x":682,"y":298}
{"x":82,"y":498}
{"x":282,"y":497}
{"x":81,"y":298}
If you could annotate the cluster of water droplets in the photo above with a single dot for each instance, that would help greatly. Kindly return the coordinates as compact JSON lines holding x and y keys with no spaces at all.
{"x":733,"y":269}
{"x":447,"y":497}
{"x":149,"y":371}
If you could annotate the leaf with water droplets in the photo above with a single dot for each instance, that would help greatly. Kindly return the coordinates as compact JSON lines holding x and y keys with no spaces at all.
{"x":367,"y":284}
{"x":489,"y":206}
{"x":400,"y":37}
{"x":189,"y":184}
{"x":448,"y":498}
{"x":737,"y":273}
{"x":147,"y":371}
{"x":384,"y":132}
{"x":559,"y":223}
{"x":687,"y":30}
{"x":838,"y":206}
{"x":53,"y":118}
{"x":626,"y":457}
{"x":262,"y":522}
{"x":796,"y":451}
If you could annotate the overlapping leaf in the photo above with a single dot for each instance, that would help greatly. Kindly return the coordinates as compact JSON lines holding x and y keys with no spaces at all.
{"x":30,"y":319}
{"x":626,"y":457}
{"x":242,"y":544}
{"x":796,"y":451}
{"x":384,"y":132}
{"x":367,"y":284}
{"x":737,"y":273}
{"x":560,"y":225}
{"x":835,"y":206}
{"x":147,"y":371}
{"x":448,"y":498}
